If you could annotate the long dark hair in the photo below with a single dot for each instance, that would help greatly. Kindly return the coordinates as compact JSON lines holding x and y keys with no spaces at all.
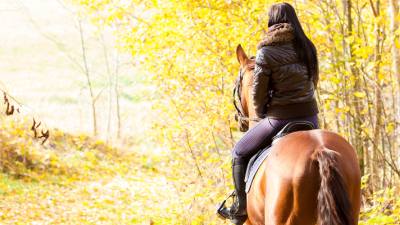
{"x":305,"y":49}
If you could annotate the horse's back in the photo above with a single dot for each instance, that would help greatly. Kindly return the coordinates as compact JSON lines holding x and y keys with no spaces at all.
{"x":286,"y":186}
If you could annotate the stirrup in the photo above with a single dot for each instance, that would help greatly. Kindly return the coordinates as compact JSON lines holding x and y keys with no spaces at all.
{"x":225,"y":213}
{"x":222,"y":210}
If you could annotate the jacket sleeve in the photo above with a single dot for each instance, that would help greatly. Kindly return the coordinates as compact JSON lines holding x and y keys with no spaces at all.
{"x":260,"y":83}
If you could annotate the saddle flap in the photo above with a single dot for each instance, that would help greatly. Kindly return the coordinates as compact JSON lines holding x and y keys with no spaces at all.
{"x":255,"y":163}
{"x":257,"y":160}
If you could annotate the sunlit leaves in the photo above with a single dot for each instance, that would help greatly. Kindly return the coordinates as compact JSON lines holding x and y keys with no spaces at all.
{"x":359,"y":94}
{"x":384,"y":209}
{"x":187,"y":50}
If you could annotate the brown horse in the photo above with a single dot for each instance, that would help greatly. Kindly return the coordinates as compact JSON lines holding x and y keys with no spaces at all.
{"x":310,"y":177}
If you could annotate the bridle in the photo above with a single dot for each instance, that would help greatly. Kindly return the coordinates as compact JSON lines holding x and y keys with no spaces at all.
{"x":240,"y":115}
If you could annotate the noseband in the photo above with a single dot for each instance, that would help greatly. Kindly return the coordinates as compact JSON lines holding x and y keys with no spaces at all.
{"x":237,"y":98}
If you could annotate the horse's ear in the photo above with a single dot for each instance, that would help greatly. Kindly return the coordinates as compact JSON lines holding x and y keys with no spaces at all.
{"x":241,"y":55}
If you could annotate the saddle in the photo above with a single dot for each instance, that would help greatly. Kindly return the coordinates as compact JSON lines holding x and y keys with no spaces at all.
{"x":256,"y":161}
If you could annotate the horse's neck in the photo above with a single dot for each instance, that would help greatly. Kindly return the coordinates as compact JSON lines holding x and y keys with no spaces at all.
{"x":248,"y":100}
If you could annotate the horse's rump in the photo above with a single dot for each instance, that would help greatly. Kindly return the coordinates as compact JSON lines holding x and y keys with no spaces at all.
{"x":310,"y":176}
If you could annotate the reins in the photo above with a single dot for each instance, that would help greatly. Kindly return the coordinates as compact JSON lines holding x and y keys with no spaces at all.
{"x":240,"y":115}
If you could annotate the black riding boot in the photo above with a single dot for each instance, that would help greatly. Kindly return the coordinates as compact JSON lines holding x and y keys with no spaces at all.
{"x":237,"y":212}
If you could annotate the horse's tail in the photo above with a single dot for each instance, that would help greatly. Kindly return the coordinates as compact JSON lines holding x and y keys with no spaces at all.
{"x":334,"y":207}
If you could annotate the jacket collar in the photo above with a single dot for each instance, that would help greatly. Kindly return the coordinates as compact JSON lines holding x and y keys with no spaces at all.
{"x":277,"y":34}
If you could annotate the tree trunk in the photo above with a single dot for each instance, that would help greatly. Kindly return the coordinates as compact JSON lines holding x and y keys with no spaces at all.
{"x":110,"y":86}
{"x":378,"y":97}
{"x":116,"y":90}
{"x":89,"y":83}
{"x":394,"y":25}
{"x":357,"y":115}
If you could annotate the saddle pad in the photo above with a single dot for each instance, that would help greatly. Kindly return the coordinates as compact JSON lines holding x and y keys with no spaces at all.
{"x":254,"y":164}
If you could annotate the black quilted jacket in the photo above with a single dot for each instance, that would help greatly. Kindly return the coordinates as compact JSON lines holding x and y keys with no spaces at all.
{"x":281,"y":87}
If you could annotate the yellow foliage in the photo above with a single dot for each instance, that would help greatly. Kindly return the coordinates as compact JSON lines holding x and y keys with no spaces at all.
{"x":187,"y":49}
{"x":359,"y":94}
{"x":382,"y":208}
{"x":22,"y":156}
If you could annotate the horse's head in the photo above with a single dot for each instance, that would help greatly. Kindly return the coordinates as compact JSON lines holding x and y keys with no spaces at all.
{"x":244,"y":82}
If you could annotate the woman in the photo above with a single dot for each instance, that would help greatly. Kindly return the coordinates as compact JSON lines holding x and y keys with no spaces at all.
{"x":285,"y":77}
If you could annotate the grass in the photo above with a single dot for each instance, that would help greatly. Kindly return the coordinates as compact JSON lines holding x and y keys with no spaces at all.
{"x":9,"y":185}
{"x":85,"y":182}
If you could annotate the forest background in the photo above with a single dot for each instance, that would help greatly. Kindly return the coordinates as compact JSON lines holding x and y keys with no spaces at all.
{"x":153,"y":79}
